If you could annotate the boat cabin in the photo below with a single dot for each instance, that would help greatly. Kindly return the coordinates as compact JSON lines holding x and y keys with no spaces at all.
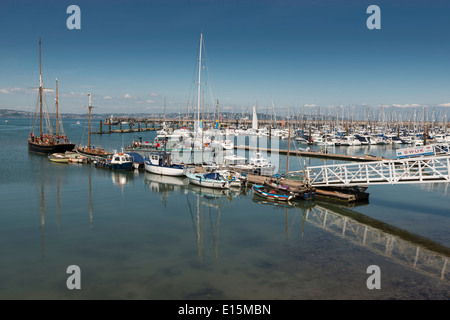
{"x":259,"y":161}
{"x":120,"y":158}
{"x":234,"y":160}
{"x":161,"y":159}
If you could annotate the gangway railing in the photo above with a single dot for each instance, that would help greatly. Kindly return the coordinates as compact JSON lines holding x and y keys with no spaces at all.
{"x":414,"y":170}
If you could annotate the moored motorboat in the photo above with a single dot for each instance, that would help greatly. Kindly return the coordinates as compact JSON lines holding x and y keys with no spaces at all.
{"x":261,"y":165}
{"x":161,"y":163}
{"x":58,"y":157}
{"x":119,"y":161}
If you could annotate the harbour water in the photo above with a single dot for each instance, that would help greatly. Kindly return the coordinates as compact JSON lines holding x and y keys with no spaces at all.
{"x":139,"y":236}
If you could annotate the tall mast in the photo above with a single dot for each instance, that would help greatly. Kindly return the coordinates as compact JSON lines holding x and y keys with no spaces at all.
{"x":90,"y":107}
{"x":57,"y":119}
{"x":199,"y":73}
{"x":41,"y":89}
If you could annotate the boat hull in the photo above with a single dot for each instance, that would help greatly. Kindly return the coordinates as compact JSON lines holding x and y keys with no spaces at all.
{"x":58,"y":158}
{"x":50,"y":148}
{"x":199,"y":181}
{"x":174,"y":171}
{"x":273,"y":195}
{"x":93,"y":152}
{"x":114,"y":166}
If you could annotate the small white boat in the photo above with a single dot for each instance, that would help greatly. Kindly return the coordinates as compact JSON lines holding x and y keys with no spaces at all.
{"x":58,"y":157}
{"x":210,"y":180}
{"x":160,"y":163}
{"x":75,"y":157}
{"x":235,"y":179}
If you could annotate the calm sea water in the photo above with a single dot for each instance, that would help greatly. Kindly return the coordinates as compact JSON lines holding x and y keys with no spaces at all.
{"x":139,"y":236}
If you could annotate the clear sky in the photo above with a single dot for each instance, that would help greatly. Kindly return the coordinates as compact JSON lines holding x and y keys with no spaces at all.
{"x":131,"y":55}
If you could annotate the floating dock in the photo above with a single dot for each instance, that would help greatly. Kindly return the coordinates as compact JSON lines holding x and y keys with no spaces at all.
{"x":347,"y":195}
{"x":339,"y":194}
{"x":312,"y":154}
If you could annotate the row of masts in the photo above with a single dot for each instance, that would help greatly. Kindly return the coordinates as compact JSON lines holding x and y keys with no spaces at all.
{"x":41,"y":94}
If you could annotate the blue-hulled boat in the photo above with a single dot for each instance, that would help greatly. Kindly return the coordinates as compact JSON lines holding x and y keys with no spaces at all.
{"x":119,"y":161}
{"x":272,"y":193}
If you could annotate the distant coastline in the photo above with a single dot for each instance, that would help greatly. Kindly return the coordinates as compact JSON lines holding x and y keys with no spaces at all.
{"x":10,"y":113}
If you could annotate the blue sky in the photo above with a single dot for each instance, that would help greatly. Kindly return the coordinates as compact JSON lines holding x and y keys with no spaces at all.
{"x":131,"y":55}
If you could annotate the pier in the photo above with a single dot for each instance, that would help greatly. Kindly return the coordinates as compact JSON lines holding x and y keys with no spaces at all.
{"x":399,"y":171}
{"x":346,"y":195}
{"x":312,"y":154}
{"x":142,"y":126}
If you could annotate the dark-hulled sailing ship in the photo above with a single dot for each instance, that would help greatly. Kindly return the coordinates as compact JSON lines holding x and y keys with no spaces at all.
{"x":47,"y":143}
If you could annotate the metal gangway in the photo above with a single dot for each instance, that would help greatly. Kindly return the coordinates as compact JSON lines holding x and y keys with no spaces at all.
{"x":397,"y":171}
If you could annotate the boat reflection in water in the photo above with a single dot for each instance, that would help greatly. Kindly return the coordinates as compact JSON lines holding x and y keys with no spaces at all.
{"x":204,"y":205}
{"x":275,"y":203}
{"x":205,"y":209}
{"x":121,"y":178}
{"x":163,"y":184}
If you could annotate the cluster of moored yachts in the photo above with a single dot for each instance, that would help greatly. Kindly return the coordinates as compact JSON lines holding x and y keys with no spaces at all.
{"x":231,"y":173}
{"x":323,"y":136}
